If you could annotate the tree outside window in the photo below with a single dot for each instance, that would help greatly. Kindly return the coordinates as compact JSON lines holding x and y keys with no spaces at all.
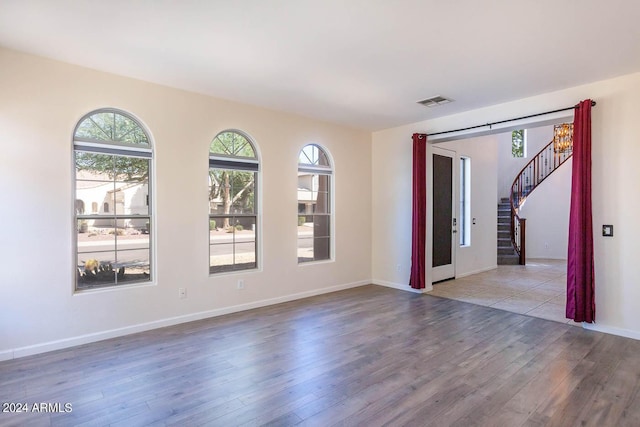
{"x":518,"y":143}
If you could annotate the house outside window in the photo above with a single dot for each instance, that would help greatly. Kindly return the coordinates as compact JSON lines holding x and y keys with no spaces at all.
{"x":233,"y":211}
{"x":113,"y":160}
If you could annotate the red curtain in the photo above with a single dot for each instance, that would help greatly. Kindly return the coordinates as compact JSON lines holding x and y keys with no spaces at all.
{"x":419,"y":211}
{"x":580,"y":278}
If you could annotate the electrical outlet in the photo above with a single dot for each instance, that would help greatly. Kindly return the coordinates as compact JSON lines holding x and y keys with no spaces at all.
{"x":240,"y":284}
{"x":182,"y":293}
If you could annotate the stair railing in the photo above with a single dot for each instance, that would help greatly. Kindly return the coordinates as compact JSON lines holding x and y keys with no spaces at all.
{"x":537,"y":170}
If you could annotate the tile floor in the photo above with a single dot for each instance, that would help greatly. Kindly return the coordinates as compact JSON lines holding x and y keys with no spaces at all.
{"x":537,"y":289}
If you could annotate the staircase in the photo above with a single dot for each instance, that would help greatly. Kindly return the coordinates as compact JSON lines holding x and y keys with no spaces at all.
{"x":506,"y":253}
{"x":510,"y":225}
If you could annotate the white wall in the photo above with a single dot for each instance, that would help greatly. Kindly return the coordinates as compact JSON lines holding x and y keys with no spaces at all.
{"x":547,"y":214}
{"x":391,"y":207}
{"x":392,"y":167}
{"x":41,"y":103}
{"x":615,"y":130}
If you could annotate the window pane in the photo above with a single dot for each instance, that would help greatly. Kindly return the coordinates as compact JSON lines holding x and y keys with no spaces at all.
{"x":130,"y":199}
{"x":104,"y":126}
{"x":94,"y":167}
{"x":313,"y":155}
{"x":231,"y":192}
{"x":128,"y":131}
{"x":465,"y":201}
{"x":313,"y":239}
{"x":215,"y":191}
{"x":313,"y":249}
{"x":131,"y":170}
{"x":137,"y":226}
{"x":131,"y":187}
{"x":321,"y":225}
{"x":97,"y":126}
{"x":96,"y":255}
{"x":242,"y":191}
{"x":305,"y":245}
{"x":320,"y":248}
{"x":110,"y":126}
{"x":305,"y":199}
{"x":322,"y":202}
{"x":313,"y":192}
{"x":305,"y":181}
{"x":94,"y":182}
{"x":95,"y":269}
{"x":133,"y":256}
{"x":517,"y":143}
{"x":246,"y":254}
{"x":232,"y":144}
{"x":97,"y":195}
{"x":221,"y":254}
{"x":95,"y":236}
{"x":232,"y":243}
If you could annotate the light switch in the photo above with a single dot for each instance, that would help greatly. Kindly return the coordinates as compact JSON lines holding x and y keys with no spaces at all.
{"x":607,"y":230}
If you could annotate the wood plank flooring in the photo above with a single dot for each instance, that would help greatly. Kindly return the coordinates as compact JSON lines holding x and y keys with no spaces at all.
{"x":369,"y":356}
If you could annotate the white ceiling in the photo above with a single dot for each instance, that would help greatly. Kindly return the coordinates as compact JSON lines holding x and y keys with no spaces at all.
{"x":361,"y":63}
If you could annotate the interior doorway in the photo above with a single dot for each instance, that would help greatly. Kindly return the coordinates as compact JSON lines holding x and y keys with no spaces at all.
{"x":536,"y":289}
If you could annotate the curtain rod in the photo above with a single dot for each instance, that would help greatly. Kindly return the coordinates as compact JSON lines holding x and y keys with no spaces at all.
{"x":593,"y":103}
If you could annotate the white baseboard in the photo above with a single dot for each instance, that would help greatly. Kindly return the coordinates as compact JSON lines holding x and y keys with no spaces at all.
{"x":612,"y":330}
{"x":402,"y":286}
{"x":113,"y":333}
{"x":482,"y":270}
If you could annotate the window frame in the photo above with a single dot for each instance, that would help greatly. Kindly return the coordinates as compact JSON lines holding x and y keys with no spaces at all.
{"x":117,"y":149}
{"x":238,"y":163}
{"x":465,"y":202}
{"x":324,"y":170}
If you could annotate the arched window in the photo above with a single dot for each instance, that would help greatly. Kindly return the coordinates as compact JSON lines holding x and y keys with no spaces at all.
{"x":233,"y":207}
{"x":314,"y":204}
{"x":113,"y":155}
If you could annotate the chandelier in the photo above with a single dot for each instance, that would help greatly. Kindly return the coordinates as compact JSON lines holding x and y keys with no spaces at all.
{"x":563,"y":137}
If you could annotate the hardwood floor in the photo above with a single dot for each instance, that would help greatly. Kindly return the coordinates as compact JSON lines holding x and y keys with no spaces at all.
{"x":368,"y":356}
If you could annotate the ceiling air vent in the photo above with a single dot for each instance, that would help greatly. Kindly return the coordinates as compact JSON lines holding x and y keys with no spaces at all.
{"x":434,"y":101}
